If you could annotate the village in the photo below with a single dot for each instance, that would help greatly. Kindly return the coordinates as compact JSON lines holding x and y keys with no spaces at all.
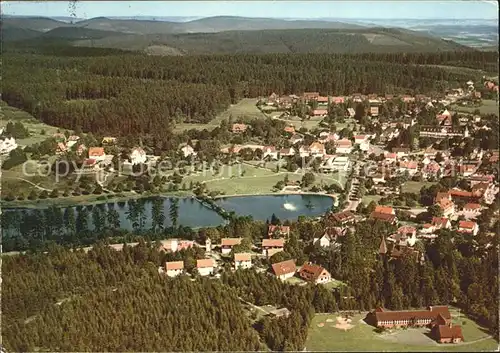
{"x":376,"y":168}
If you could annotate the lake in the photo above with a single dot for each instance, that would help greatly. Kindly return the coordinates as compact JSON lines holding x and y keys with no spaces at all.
{"x":193,"y":214}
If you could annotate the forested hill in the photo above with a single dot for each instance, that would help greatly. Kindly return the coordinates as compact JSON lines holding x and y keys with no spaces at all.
{"x":107,"y":94}
{"x":370,"y":40}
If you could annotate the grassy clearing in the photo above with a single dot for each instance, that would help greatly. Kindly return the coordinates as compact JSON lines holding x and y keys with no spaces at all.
{"x":488,"y":106}
{"x":294,"y":280}
{"x":369,"y":198}
{"x":35,"y":127}
{"x":363,"y":338}
{"x":334,"y":284}
{"x":244,"y":109}
{"x":415,"y":186}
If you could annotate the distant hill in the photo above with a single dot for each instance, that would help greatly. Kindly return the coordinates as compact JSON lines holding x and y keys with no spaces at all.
{"x":12,"y":33}
{"x":41,"y":24}
{"x":78,"y":33}
{"x":283,"y":41}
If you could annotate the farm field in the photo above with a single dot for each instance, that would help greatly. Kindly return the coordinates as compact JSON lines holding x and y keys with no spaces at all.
{"x":488,"y":106}
{"x":359,"y":336}
{"x":35,"y":127}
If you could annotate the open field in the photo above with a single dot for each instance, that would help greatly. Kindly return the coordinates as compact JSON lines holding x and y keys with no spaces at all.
{"x":334,"y":284}
{"x":35,"y":127}
{"x":488,"y":106}
{"x":415,"y":186}
{"x":361,"y":337}
{"x":369,"y":198}
{"x":245,"y":109}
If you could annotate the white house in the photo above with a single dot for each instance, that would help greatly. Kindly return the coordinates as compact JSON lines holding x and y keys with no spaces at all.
{"x":205,"y":266}
{"x":329,"y":237}
{"x":228,"y":243}
{"x":314,"y":273}
{"x":138,"y":156}
{"x":188,"y":150}
{"x":242,"y":260}
{"x":272,"y":246}
{"x":343,"y":146}
{"x":174,"y":268}
{"x":72,"y":140}
{"x":270,"y":151}
{"x":362,"y":141}
{"x":317,"y":149}
{"x":285,"y":269}
{"x":7,"y":145}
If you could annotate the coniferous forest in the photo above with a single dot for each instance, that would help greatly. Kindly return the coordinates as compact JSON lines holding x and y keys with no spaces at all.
{"x":109,"y":92}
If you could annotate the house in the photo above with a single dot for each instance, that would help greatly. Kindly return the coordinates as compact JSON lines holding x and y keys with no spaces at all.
{"x":270,"y":151}
{"x":374,"y":111}
{"x":138,"y":156}
{"x":357,"y":97}
{"x":351,"y":112}
{"x":385,"y":209}
{"x":228,"y":243}
{"x":468,"y":227}
{"x":205,"y":266}
{"x":309,"y":96}
{"x":317,"y":149}
{"x":287,"y":152}
{"x":274,"y":231}
{"x":431,"y":170}
{"x":174,"y":268}
{"x":447,"y":333}
{"x":285,"y":269}
{"x":411,"y":167}
{"x":401,"y":151}
{"x":89,"y":165}
{"x":80,"y":150}
{"x":72,"y":140}
{"x":61,"y":148}
{"x":337,"y":100}
{"x":447,"y":206}
{"x":272,"y":246}
{"x":389,"y":319}
{"x":330,"y":236}
{"x":343,"y":146}
{"x":187,"y":150}
{"x":405,"y":236}
{"x":314,"y":273}
{"x":362,"y":141}
{"x":173,"y":245}
{"x":108,"y":140}
{"x":408,"y":99}
{"x":473,"y":208}
{"x":444,"y":118}
{"x":304,"y":151}
{"x":336,"y":164}
{"x":341,"y":218}
{"x":322,"y":100}
{"x":319,"y":113}
{"x":441,"y":223}
{"x":391,"y":157}
{"x":239,"y":128}
{"x":467,"y":169}
{"x":328,"y":136}
{"x":386,"y":217}
{"x":289,"y":129}
{"x":7,"y":145}
{"x":97,"y":153}
{"x":242,"y":260}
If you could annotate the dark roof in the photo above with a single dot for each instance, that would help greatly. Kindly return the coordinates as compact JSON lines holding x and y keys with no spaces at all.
{"x":383,"y":216}
{"x":431,"y":313}
{"x":445,"y":331}
{"x":310,"y":271}
{"x":342,"y":216}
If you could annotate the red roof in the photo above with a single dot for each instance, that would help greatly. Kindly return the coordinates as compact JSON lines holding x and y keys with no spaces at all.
{"x":406,"y":229}
{"x":445,"y":331}
{"x":96,"y":151}
{"x":384,"y":209}
{"x":204,"y":263}
{"x":174,"y":265}
{"x":284,"y":267}
{"x":89,"y":162}
{"x":230,"y":241}
{"x":322,"y":99}
{"x":383,"y":216}
{"x":320,"y":112}
{"x":439,"y":221}
{"x":242,"y":257}
{"x":472,"y":206}
{"x":466,"y":224}
{"x":431,"y":313}
{"x":271,"y":243}
{"x":281,"y":229}
{"x":311,"y":272}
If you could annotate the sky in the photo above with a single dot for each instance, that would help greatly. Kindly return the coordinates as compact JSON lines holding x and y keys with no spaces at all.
{"x":395,"y":9}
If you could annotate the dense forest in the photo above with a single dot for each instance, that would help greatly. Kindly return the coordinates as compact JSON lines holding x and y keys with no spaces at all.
{"x":139,"y":94}
{"x":457,"y":269}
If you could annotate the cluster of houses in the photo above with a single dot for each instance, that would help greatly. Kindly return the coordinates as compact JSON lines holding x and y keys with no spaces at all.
{"x":7,"y":145}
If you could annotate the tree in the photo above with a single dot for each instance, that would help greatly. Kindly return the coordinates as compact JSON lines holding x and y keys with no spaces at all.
{"x":435,"y":211}
{"x":174,"y":211}
{"x":157,"y":215}
{"x":308,"y":179}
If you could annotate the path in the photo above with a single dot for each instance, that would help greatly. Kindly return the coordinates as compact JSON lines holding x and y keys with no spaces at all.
{"x":29,"y":182}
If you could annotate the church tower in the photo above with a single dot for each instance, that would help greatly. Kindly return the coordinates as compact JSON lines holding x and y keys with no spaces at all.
{"x":208,"y":245}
